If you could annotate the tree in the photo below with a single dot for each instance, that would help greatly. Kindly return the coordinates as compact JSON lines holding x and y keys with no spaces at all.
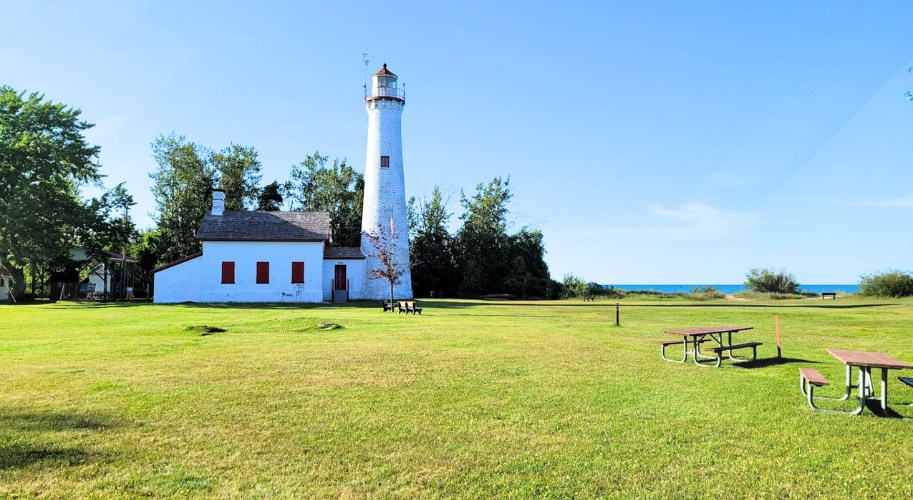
{"x":145,"y":249}
{"x":527,"y":273}
{"x":270,"y":197}
{"x":770,"y":281}
{"x":431,"y":248}
{"x":44,"y":160}
{"x":574,"y":287}
{"x":482,"y":242}
{"x":238,"y":169}
{"x":337,"y":189}
{"x":891,"y":283}
{"x":182,"y":187}
{"x":383,"y":243}
{"x":109,"y":228}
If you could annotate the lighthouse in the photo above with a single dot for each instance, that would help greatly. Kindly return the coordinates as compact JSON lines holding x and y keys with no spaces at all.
{"x":384,"y":212}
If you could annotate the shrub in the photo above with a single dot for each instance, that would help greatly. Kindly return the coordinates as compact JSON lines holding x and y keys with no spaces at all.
{"x":705,"y":293}
{"x":891,"y":283}
{"x":574,"y":286}
{"x":768,"y":281}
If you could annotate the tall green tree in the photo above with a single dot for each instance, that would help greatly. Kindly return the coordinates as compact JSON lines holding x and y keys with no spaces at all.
{"x":482,"y":242}
{"x":44,"y":160}
{"x":238,"y":171}
{"x":314,"y":186}
{"x":270,"y":198}
{"x":431,"y":246}
{"x":182,"y":186}
{"x":527,"y":273}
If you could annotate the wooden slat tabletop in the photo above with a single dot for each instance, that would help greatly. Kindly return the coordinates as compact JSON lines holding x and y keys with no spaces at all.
{"x":868,"y":359}
{"x":705,"y":330}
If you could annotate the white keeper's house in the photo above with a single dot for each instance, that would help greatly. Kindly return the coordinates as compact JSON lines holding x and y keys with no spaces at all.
{"x":263,"y":257}
{"x":286,"y":256}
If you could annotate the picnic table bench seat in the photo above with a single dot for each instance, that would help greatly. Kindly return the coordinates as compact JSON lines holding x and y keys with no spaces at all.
{"x":813,"y":377}
{"x":809,"y":378}
{"x":746,"y":345}
{"x":906,"y":380}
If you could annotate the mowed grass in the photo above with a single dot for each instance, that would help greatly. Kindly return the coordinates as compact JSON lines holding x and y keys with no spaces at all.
{"x":473,"y":399}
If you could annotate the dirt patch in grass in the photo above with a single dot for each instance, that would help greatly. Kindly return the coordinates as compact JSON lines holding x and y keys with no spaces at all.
{"x":204,"y":330}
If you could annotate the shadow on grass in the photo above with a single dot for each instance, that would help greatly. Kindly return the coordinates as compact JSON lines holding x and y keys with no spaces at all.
{"x":457,"y":304}
{"x":20,"y":455}
{"x":19,"y":449}
{"x":765,"y":362}
{"x":53,"y":422}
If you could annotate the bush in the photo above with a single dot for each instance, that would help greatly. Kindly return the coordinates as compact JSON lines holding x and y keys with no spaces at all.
{"x":705,"y":293}
{"x":574,"y":287}
{"x":891,"y":283}
{"x":768,"y":281}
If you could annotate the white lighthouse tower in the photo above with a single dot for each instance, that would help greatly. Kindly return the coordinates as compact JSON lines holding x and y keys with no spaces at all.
{"x":384,"y":211}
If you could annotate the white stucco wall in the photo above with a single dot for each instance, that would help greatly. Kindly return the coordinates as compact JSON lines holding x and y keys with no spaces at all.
{"x":180,"y":283}
{"x":385,"y":193}
{"x":355,"y":273}
{"x":200,"y":279}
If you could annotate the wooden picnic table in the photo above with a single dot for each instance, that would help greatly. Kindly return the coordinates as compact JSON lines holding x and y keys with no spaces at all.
{"x":721,"y":335}
{"x":865,"y":362}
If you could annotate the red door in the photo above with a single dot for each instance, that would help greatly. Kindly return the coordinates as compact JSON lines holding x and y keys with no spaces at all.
{"x":339,"y":277}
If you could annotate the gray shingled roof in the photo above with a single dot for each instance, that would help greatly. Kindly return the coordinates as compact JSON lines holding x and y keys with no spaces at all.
{"x":342,"y":253}
{"x":237,"y":225}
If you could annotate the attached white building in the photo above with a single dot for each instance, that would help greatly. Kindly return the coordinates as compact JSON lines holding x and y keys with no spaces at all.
{"x":5,"y":285}
{"x":263,"y":257}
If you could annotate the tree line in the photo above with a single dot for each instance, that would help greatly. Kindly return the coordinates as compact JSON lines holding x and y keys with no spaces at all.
{"x":46,"y":163}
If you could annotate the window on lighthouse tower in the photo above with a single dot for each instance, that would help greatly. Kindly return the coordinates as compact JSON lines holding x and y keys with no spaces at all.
{"x":384,"y":162}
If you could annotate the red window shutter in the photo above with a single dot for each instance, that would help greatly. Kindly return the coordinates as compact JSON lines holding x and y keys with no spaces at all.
{"x":297,"y":272}
{"x":262,"y":273}
{"x":228,"y":272}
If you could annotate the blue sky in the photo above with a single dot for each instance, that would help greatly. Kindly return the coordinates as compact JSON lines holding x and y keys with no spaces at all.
{"x":651,"y":142}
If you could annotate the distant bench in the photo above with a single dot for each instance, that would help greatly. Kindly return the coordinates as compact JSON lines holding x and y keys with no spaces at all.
{"x":831,"y":295}
{"x":408,"y":307}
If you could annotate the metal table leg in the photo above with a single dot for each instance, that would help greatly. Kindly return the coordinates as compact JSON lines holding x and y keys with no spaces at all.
{"x":849,"y":386}
{"x":884,"y":389}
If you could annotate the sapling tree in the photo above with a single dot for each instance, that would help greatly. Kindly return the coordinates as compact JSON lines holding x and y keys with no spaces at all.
{"x":383,"y":243}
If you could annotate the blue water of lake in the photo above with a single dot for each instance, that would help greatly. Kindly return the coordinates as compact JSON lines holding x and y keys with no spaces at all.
{"x":734,"y":288}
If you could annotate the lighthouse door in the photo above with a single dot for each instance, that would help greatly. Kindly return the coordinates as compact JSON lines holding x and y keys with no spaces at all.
{"x":340,"y":285}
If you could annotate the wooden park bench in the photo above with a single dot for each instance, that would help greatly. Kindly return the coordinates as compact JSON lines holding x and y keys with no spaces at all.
{"x":809,"y":378}
{"x":408,"y":307}
{"x":389,"y":306}
{"x":831,"y":295}
{"x":588,"y":298}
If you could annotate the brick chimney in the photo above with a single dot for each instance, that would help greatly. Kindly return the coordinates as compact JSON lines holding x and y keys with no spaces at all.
{"x":218,"y":201}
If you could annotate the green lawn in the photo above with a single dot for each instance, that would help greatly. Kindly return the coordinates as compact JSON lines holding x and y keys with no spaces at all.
{"x":473,"y":399}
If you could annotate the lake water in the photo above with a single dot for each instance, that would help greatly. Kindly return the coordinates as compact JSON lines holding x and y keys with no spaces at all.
{"x":735,"y":288}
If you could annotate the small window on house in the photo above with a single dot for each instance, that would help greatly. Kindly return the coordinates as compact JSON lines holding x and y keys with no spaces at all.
{"x":384,"y":162}
{"x":2,"y":283}
{"x":262,"y":273}
{"x":297,"y":272}
{"x":228,"y":273}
